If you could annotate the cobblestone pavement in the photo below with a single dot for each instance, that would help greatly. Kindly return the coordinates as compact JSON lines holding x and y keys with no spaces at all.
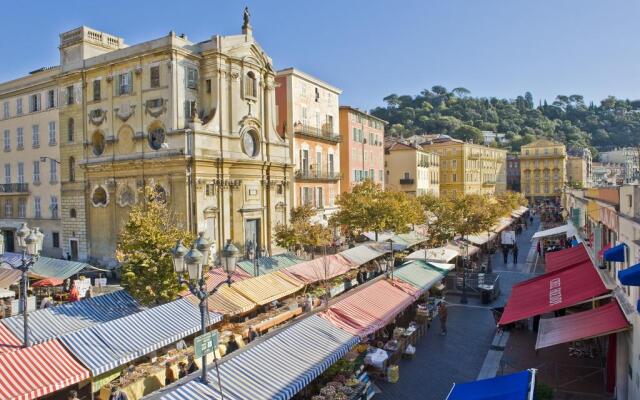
{"x":458,"y":357}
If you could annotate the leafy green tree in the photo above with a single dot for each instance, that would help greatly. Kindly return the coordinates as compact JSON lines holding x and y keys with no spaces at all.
{"x":301,"y":232}
{"x":369,"y":208}
{"x":143,"y":249}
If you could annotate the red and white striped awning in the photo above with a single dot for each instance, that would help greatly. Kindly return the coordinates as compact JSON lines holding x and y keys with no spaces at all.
{"x":36,"y":371}
{"x":8,"y":341}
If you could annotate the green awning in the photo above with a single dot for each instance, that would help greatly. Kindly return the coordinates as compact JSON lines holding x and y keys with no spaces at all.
{"x":270,"y":264}
{"x":419,"y":274}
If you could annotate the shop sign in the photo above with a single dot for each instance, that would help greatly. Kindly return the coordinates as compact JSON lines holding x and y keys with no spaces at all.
{"x":206,"y":344}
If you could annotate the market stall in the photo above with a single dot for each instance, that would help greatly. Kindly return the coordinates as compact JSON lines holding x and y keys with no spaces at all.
{"x":275,"y":368}
{"x":51,"y":322}
{"x":438,"y":254}
{"x":520,"y":385}
{"x":8,"y":341}
{"x":264,"y":289}
{"x":50,"y":367}
{"x":368,"y":309}
{"x":364,"y":253}
{"x":270,"y":264}
{"x":106,"y":346}
{"x":319,"y":269}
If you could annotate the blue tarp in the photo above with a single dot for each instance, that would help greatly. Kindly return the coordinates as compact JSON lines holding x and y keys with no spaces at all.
{"x":106,"y":346}
{"x":276,"y":368}
{"x":51,"y":322}
{"x":616,"y":253}
{"x":630,"y":276}
{"x":507,"y":387}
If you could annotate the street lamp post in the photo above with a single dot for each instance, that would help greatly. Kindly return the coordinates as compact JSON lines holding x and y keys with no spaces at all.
{"x":465,"y":255}
{"x":392,"y":260}
{"x":254,"y":253}
{"x":192,"y":262}
{"x":30,"y":244}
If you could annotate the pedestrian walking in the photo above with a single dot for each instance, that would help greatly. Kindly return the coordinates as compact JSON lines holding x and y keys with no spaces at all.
{"x":515,"y":254}
{"x":505,"y":253}
{"x":442,"y":314}
{"x":73,"y":395}
{"x":169,"y":375}
{"x":182,"y":370}
{"x":118,"y":394}
{"x":539,"y":249}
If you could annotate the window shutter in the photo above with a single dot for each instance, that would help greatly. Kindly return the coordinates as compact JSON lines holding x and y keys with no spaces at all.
{"x":40,"y":101}
{"x":76,"y":94}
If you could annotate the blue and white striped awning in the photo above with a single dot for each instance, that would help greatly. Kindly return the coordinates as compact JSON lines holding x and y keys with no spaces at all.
{"x":46,"y":267}
{"x":277,"y":368}
{"x":51,"y":322}
{"x":106,"y":346}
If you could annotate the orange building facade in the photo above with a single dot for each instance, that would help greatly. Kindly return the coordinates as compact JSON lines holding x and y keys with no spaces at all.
{"x":362,"y":148}
{"x":308,"y":115}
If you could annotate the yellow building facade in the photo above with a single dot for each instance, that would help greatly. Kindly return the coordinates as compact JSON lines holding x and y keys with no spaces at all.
{"x":543,"y":169}
{"x":411,"y":170}
{"x":194,"y":121}
{"x":30,"y":180}
{"x":468,"y":168}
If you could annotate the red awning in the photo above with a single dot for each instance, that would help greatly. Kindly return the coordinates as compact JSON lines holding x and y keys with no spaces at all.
{"x":38,"y":370}
{"x":318,"y":269}
{"x":558,"y":260}
{"x":552,"y":291}
{"x":583,"y":325}
{"x":8,"y":341}
{"x":605,"y":248}
{"x":369,"y":309}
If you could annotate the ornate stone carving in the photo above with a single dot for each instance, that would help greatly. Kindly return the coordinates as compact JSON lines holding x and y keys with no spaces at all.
{"x":125,"y":111}
{"x":155,"y":107}
{"x":235,"y":75}
{"x":126,"y":196}
{"x":99,"y":196}
{"x":97,"y":116}
{"x":138,"y":70}
{"x":109,"y":78}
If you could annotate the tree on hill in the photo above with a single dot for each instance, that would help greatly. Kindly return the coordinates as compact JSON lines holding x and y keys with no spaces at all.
{"x":568,"y":119}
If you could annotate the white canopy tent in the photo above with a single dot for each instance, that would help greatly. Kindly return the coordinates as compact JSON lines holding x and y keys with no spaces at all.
{"x":568,"y":230}
{"x":439,"y":254}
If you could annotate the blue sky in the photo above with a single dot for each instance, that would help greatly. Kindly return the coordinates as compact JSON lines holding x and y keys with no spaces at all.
{"x":371,"y":48}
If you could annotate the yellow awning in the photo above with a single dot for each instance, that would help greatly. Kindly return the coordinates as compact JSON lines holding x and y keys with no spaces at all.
{"x":227,"y":302}
{"x":264,"y":289}
{"x":593,"y":210}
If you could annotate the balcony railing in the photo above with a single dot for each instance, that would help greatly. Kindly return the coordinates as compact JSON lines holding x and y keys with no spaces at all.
{"x":488,"y":183}
{"x":317,"y":176}
{"x":312,"y":132}
{"x":11,"y":188}
{"x":407,"y":181}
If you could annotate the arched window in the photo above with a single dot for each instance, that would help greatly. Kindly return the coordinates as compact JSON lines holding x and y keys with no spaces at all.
{"x":97,"y":142}
{"x":251,"y":85}
{"x":72,"y":169}
{"x":159,"y":194}
{"x":99,"y":197}
{"x":157,"y":137}
{"x":70,"y":129}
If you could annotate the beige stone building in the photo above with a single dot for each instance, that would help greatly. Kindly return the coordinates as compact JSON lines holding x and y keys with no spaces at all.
{"x":195,"y":121}
{"x":543,"y":169}
{"x":411,"y":170}
{"x":308,"y":118}
{"x":30,"y":186}
{"x":579,"y":169}
{"x":468,"y":168}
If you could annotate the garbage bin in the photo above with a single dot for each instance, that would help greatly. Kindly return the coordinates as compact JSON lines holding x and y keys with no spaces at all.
{"x":485,"y":294}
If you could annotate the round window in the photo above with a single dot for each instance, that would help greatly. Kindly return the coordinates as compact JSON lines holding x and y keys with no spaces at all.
{"x":156,"y":138}
{"x":250,"y":143}
{"x":97,"y":142}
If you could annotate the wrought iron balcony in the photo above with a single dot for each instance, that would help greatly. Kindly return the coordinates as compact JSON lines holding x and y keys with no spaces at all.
{"x":14,"y":188}
{"x":407,"y":181}
{"x":317,"y":176}
{"x":315,"y":133}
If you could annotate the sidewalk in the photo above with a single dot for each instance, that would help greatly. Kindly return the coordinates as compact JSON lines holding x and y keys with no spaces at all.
{"x":571,"y":378}
{"x":442,"y":360}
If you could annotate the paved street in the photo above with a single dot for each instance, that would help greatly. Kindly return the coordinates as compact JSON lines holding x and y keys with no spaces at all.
{"x":458,"y":357}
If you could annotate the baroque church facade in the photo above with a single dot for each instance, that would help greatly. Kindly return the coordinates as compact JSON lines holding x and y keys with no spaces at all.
{"x":194,"y":121}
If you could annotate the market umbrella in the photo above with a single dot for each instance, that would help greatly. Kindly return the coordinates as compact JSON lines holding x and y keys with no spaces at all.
{"x":48,"y":282}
